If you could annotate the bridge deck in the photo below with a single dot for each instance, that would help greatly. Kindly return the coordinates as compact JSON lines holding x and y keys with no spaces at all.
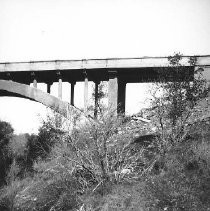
{"x":143,"y":62}
{"x":129,"y":69}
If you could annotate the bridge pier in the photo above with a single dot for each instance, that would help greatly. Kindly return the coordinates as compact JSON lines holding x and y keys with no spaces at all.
{"x":86,"y":94}
{"x":8,"y":77}
{"x":72,"y":93}
{"x":206,"y":74}
{"x":59,"y":84}
{"x":96,"y":99}
{"x":34,"y":79}
{"x":60,"y":88}
{"x":49,"y":87}
{"x":121,"y":96}
{"x":35,"y":83}
{"x":116,"y":93}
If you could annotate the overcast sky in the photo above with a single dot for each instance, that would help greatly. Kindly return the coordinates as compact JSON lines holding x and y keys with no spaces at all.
{"x":78,"y":29}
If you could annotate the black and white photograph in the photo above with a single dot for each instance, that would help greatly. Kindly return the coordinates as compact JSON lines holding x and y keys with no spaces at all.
{"x":104,"y":105}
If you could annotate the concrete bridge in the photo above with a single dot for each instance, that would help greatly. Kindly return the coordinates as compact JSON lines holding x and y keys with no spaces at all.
{"x":15,"y":77}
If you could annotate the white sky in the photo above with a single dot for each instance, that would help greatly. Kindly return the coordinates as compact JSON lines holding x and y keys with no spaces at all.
{"x":79,"y":29}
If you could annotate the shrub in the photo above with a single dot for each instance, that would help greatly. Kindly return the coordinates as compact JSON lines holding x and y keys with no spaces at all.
{"x":86,"y":163}
{"x":122,"y":197}
{"x":9,"y":193}
{"x":177,"y":101}
{"x":184,"y":182}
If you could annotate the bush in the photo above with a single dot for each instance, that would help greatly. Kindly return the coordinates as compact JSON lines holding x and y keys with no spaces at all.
{"x":87,"y":163}
{"x":9,"y":193}
{"x":58,"y":193}
{"x":184,"y":182}
{"x":122,"y":197}
{"x":178,"y":103}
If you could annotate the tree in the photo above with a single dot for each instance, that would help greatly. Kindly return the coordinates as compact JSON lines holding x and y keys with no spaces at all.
{"x":177,"y":100}
{"x":6,"y":133}
{"x":98,"y":94}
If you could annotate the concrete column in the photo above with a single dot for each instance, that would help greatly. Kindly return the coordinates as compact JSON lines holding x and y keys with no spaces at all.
{"x":96,"y":100}
{"x":35,"y":83}
{"x":8,"y":76}
{"x":33,"y":76}
{"x":49,"y":87}
{"x":86,"y":94}
{"x":121,"y":96}
{"x":113,"y":92}
{"x":58,"y":73}
{"x":116,"y":93}
{"x":72,"y":93}
{"x":60,"y":88}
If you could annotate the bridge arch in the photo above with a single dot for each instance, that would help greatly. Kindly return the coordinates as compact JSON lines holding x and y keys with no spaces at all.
{"x":14,"y":89}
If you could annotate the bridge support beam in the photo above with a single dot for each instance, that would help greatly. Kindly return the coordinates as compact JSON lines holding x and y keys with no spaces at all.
{"x":72,"y":93}
{"x":116,"y":93}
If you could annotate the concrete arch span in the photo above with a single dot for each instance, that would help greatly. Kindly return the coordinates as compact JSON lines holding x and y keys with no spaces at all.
{"x":11,"y":88}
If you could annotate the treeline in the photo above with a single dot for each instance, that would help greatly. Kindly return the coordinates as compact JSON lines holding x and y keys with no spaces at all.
{"x":19,"y":152}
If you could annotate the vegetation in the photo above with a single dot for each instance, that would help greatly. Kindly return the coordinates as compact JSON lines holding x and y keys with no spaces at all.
{"x":97,"y":105}
{"x":6,"y":132}
{"x":103,"y":165}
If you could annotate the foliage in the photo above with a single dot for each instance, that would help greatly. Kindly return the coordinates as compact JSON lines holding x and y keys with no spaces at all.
{"x":180,"y":175}
{"x":102,"y":93}
{"x":88,"y":161}
{"x":178,"y":101}
{"x":98,"y":167}
{"x":9,"y":193}
{"x":99,"y":151}
{"x":6,"y":133}
{"x":58,"y":193}
{"x":123,"y":197}
{"x":184,"y":182}
{"x":98,"y":97}
{"x":18,"y":153}
{"x":39,"y":146}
